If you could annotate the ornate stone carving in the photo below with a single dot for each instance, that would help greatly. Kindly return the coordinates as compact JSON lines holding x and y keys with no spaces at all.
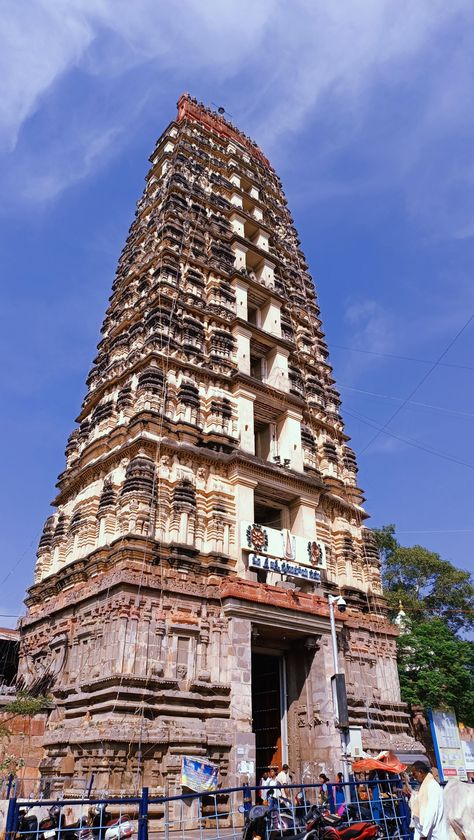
{"x":210,"y":403}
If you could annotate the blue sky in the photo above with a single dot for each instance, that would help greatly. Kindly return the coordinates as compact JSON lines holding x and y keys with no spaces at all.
{"x":364,"y":108}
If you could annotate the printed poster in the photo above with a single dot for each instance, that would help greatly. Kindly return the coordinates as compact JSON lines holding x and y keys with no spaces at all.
{"x":199,"y":775}
{"x":468,"y":750}
{"x":448,"y":746}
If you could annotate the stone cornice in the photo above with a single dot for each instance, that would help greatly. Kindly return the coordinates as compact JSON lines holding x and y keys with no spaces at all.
{"x":271,"y":258}
{"x":144,"y":442}
{"x":345,"y":505}
{"x":243,"y":214}
{"x":267,"y":473}
{"x":257,"y":287}
{"x":263,"y":391}
{"x":125,"y":563}
{"x":236,"y":590}
{"x":263,"y":336}
{"x":251,"y":465}
{"x":272,"y":615}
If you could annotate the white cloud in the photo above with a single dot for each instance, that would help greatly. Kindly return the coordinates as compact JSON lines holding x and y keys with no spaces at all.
{"x":44,"y":39}
{"x":373,"y":329}
{"x":371,"y":325}
{"x":281,"y":61}
{"x":39,"y":44}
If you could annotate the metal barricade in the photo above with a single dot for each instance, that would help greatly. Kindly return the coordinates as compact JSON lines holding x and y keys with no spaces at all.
{"x":223,"y":815}
{"x":382,"y":800}
{"x":77,"y":819}
{"x":43,"y":788}
{"x":218,"y":815}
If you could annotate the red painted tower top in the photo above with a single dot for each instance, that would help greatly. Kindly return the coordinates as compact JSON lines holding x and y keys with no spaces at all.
{"x":189,"y":108}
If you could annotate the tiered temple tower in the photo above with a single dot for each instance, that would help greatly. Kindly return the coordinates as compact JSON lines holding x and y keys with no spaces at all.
{"x":209,"y":502}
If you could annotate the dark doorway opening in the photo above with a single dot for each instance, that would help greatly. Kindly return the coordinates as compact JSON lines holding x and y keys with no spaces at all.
{"x":269,"y":516}
{"x":266,"y":711}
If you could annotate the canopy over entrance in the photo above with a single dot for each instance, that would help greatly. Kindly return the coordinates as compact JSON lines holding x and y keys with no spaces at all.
{"x":386,"y":761}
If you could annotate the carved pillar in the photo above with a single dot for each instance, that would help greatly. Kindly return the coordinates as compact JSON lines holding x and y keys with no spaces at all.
{"x":240,"y":666}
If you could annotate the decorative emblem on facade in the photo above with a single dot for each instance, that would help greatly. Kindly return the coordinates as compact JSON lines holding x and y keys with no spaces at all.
{"x":257,"y":538}
{"x":315,"y":553}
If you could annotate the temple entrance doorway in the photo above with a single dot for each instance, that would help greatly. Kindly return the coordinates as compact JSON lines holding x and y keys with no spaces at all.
{"x":269,"y":713}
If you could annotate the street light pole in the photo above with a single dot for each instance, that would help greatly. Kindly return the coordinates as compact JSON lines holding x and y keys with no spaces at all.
{"x":343,"y":730}
{"x":333,"y":634}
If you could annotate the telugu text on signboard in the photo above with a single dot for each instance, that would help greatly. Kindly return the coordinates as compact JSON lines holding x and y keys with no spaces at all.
{"x":283,"y":567}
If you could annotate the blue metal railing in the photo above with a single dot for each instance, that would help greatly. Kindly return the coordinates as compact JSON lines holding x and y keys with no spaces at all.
{"x":216,"y":815}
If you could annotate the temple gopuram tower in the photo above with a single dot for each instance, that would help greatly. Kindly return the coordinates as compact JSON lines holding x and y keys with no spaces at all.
{"x":209,"y":504}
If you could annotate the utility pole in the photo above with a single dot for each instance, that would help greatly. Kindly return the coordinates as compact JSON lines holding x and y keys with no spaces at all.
{"x":338,"y":685}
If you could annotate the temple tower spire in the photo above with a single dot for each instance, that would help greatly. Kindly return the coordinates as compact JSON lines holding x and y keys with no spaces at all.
{"x":209,"y":500}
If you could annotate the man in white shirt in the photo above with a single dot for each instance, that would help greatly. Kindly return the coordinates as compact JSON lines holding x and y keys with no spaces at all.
{"x":427,"y":807}
{"x":283,"y":780}
{"x":272,"y":789}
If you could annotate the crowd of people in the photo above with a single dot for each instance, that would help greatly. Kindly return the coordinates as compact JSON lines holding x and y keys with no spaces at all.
{"x":418,"y":806}
{"x":274,"y":785}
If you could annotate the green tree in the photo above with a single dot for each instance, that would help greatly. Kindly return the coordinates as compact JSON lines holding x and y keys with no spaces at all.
{"x":436,"y":668}
{"x":427,"y":585}
{"x":435,"y":664}
{"x":25,"y":705}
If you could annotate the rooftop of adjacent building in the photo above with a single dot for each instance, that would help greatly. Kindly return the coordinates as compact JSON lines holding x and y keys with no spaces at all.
{"x":7,"y":634}
{"x":9,"y":640}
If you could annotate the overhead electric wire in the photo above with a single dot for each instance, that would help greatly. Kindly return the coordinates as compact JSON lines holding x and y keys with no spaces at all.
{"x":418,"y":385}
{"x":435,"y":531}
{"x":425,"y":609}
{"x":430,"y":450}
{"x":20,"y":559}
{"x":411,"y":402}
{"x":401,"y":358}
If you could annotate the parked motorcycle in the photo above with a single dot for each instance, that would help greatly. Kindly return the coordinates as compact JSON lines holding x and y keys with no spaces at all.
{"x":27,"y":824}
{"x":362,"y":811}
{"x":269,"y":823}
{"x":105,"y":827}
{"x":98,"y":825}
{"x":51,"y":827}
{"x":81,"y":829}
{"x":327,"y":826}
{"x":272,"y":823}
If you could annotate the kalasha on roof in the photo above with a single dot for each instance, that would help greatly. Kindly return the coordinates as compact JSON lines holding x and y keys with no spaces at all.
{"x":386,"y":761}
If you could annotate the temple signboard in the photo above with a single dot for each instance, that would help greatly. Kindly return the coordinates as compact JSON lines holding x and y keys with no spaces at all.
{"x":283,"y":567}
{"x":282,"y":552}
{"x":447,"y":744}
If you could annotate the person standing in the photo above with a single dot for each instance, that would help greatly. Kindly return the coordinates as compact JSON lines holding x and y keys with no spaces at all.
{"x":340,"y":794}
{"x":272,"y":790}
{"x":283,"y":780}
{"x":326,"y":796}
{"x":263,"y":787}
{"x":427,"y":807}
